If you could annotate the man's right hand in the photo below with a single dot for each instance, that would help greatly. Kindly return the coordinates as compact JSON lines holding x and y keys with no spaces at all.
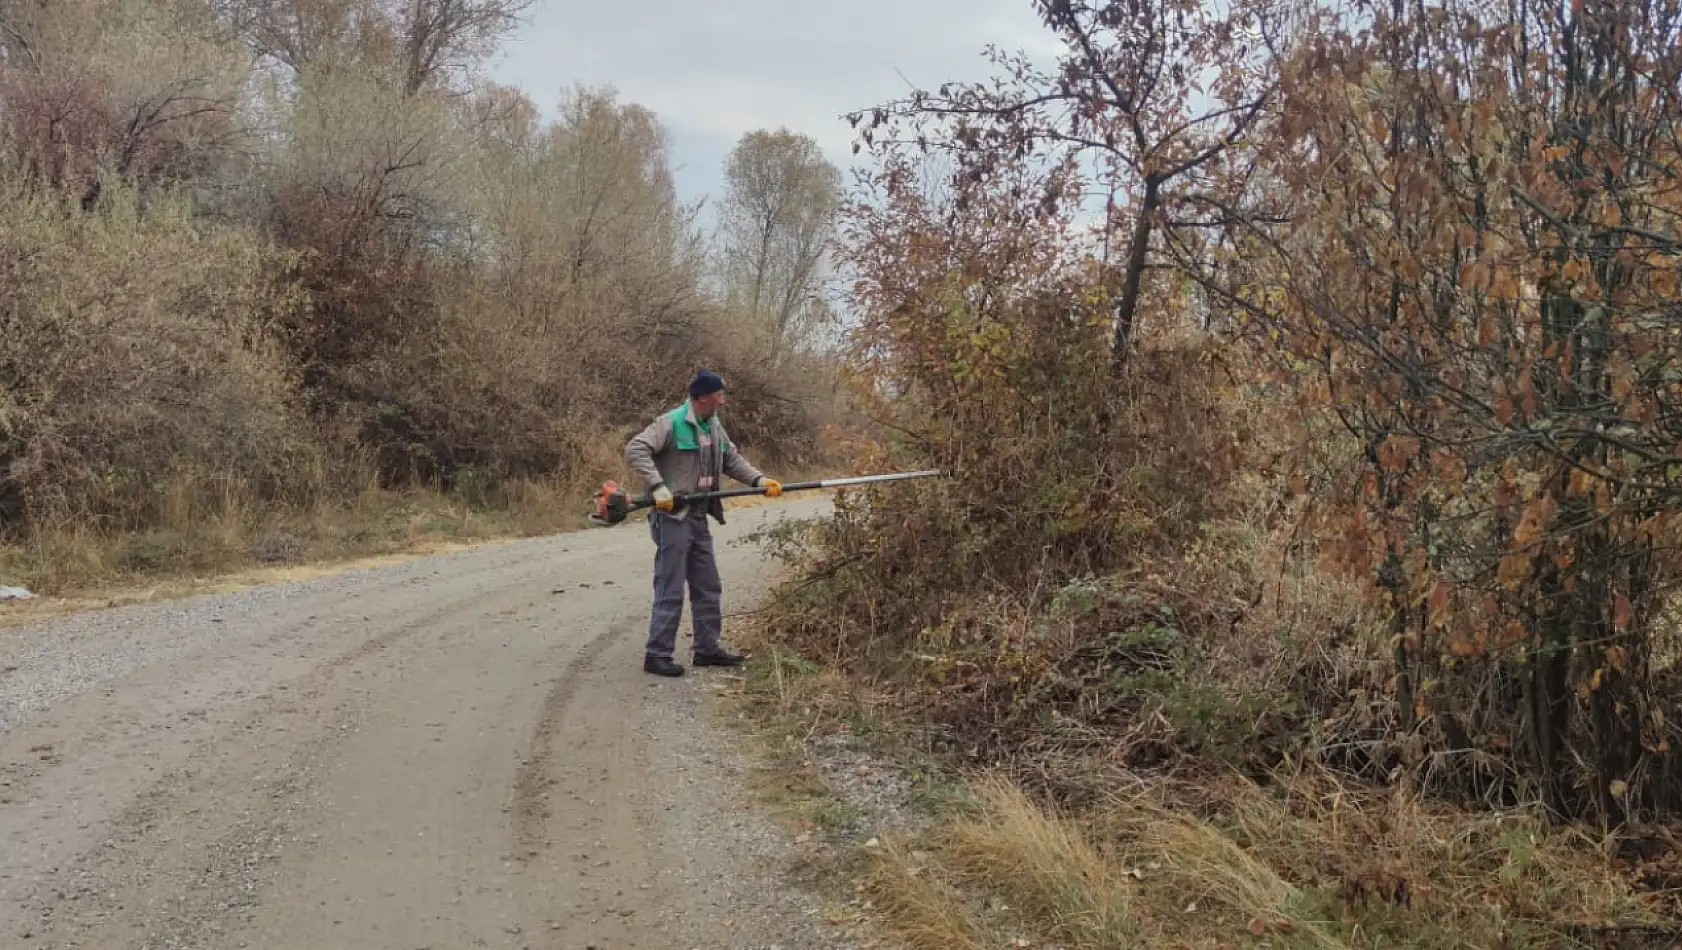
{"x":663,"y":499}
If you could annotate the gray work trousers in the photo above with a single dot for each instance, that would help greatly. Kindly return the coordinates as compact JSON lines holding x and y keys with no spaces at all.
{"x":684,"y":554}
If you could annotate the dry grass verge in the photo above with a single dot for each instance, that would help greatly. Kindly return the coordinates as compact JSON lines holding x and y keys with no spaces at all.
{"x":1318,"y":867}
{"x":1310,"y":860}
{"x":233,"y":546}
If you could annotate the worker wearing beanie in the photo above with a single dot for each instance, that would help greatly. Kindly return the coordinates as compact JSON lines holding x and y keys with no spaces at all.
{"x":682,"y":451}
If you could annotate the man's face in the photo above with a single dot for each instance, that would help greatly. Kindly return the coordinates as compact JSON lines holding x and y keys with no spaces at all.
{"x":705,"y":406}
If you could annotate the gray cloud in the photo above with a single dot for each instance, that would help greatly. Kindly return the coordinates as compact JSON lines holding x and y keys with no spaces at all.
{"x":714,"y":71}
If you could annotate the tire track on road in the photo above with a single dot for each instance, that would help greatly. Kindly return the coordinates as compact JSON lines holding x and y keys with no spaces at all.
{"x":534,"y":780}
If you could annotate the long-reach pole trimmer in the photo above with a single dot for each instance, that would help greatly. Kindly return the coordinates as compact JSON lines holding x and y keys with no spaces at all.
{"x":613,"y":505}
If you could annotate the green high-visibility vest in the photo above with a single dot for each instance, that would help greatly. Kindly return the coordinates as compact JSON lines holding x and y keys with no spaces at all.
{"x":684,"y":434}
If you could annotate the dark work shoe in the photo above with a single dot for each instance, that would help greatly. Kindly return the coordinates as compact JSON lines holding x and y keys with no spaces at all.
{"x":718,"y":657}
{"x":661,"y":666}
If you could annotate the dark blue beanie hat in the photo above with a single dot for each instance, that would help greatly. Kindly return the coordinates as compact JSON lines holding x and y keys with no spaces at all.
{"x":705,"y":383}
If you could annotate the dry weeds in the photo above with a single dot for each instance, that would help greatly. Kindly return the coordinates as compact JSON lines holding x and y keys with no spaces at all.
{"x":1269,"y":869}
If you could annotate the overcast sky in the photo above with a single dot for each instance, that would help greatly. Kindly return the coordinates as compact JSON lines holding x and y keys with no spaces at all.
{"x":714,"y":69}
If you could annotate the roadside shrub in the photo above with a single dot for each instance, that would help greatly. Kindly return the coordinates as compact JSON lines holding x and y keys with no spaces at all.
{"x":1045,"y":575}
{"x":137,"y":347}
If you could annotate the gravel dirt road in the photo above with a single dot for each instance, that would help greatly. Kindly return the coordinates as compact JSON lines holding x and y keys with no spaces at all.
{"x":454,"y":752}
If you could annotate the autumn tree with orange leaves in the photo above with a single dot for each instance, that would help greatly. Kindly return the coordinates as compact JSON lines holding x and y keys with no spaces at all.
{"x":1479,"y":284}
{"x":1450,"y":234}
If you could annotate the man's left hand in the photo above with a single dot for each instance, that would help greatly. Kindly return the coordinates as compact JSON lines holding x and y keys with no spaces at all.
{"x":772,"y":487}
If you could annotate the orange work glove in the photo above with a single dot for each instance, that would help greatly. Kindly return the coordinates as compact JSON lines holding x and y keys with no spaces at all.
{"x":772,"y":487}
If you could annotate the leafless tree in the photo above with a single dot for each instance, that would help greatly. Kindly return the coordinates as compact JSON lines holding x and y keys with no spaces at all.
{"x":778,"y":220}
{"x":418,"y":41}
{"x":1157,"y":92}
{"x":441,"y":35}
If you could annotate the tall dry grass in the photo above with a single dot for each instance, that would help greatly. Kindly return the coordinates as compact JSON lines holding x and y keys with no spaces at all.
{"x":143,"y":371}
{"x":1313,"y":864}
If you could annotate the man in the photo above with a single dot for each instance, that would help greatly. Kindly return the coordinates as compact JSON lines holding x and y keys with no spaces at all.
{"x":683,"y":451}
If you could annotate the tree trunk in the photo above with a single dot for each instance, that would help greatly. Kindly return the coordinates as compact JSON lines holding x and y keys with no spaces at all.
{"x":414,"y":66}
{"x":1138,"y":255}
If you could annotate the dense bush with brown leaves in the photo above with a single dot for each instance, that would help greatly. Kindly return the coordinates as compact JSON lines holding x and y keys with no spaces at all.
{"x":136,"y":348}
{"x":1479,"y":278}
{"x":1424,"y":528}
{"x":1049,"y":567}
